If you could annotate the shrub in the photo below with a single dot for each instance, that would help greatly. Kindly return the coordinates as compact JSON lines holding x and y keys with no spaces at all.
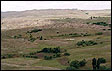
{"x":102,"y":60}
{"x":86,"y":34}
{"x":82,"y":63}
{"x":34,"y":30}
{"x":104,"y":29}
{"x":47,"y":57}
{"x":101,"y":23}
{"x":32,"y":39}
{"x":109,"y":29}
{"x":51,"y":50}
{"x":66,"y":54}
{"x":86,"y":43}
{"x":34,"y":56}
{"x":75,"y":64}
{"x":110,"y":25}
{"x":30,"y":56}
{"x":58,"y":55}
{"x":18,"y":36}
{"x":99,"y":33}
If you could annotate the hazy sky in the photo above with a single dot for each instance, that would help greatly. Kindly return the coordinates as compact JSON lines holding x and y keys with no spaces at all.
{"x":29,"y":5}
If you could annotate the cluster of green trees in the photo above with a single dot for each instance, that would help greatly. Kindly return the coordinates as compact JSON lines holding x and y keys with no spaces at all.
{"x":86,"y":43}
{"x":51,"y":50}
{"x":34,"y":31}
{"x":56,"y":51}
{"x":96,"y":63}
{"x":7,"y":56}
{"x":74,"y":65}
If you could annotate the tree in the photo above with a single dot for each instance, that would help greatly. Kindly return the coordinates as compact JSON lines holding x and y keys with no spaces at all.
{"x":91,"y":17}
{"x":99,"y":61}
{"x":102,"y":60}
{"x":82,"y":63}
{"x":41,"y":38}
{"x":75,"y":64}
{"x":94,"y":63}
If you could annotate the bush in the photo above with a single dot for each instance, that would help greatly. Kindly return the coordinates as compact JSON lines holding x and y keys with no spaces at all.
{"x":34,"y":30}
{"x":102,"y":60}
{"x":75,"y":64}
{"x":32,"y":39}
{"x":51,"y":50}
{"x":99,"y":33}
{"x":34,"y":56}
{"x":47,"y":57}
{"x":66,"y":54}
{"x":58,"y":55}
{"x":71,"y":68}
{"x":86,"y":43}
{"x":82,"y":63}
{"x":104,"y":29}
{"x":30,"y":56}
{"x":101,"y":23}
{"x":18,"y":36}
{"x":109,"y":29}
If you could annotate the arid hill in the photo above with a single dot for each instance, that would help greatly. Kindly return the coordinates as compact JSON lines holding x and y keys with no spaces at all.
{"x":32,"y":18}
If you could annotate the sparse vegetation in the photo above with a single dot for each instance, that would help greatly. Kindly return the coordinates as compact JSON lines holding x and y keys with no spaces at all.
{"x":18,"y":36}
{"x":67,"y":40}
{"x":34,"y":31}
{"x":5,"y":56}
{"x":86,"y":43}
{"x":51,"y":50}
{"x":75,"y":64}
{"x":47,"y":57}
{"x":66,"y":54}
{"x":99,"y":33}
{"x":82,"y":63}
{"x":99,"y":23}
{"x":41,"y":37}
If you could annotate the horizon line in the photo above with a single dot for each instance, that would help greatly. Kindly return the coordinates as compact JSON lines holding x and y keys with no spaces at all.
{"x":55,"y":9}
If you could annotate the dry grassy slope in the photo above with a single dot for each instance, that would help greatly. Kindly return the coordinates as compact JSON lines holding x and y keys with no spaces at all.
{"x":31,"y":18}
